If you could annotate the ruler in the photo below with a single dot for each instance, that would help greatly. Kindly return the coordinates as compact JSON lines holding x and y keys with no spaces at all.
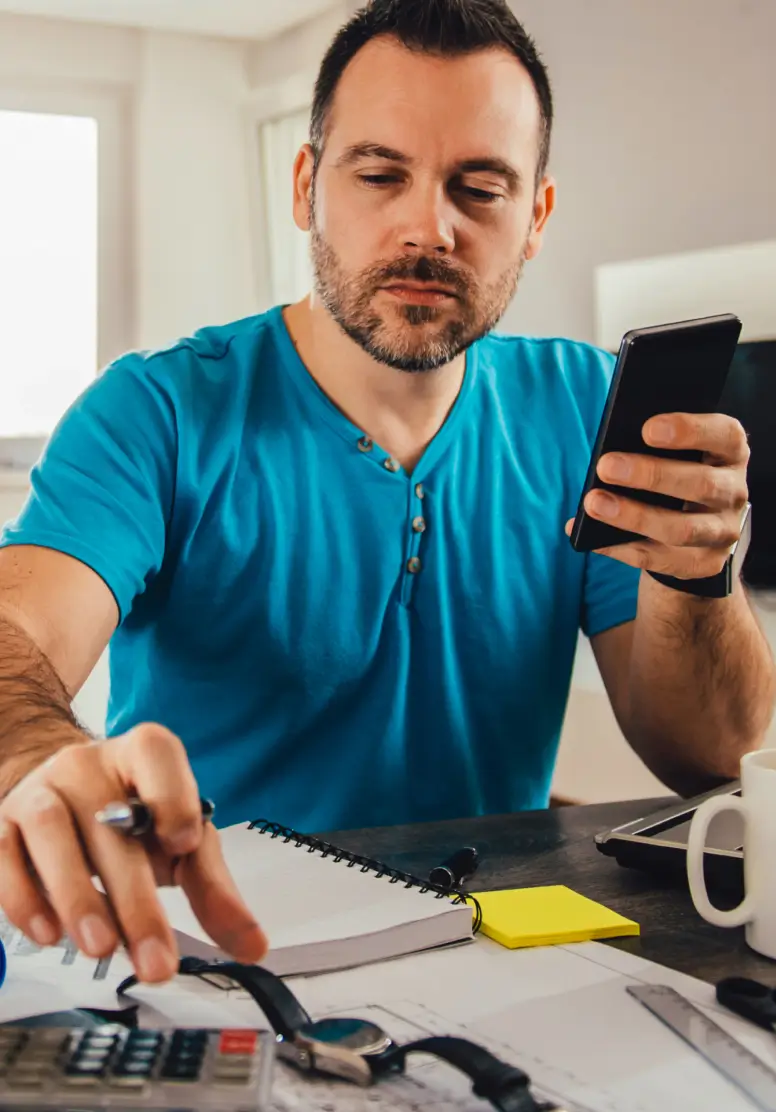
{"x":752,"y":1076}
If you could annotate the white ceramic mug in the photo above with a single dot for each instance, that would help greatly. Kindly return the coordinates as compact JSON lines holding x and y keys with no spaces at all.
{"x":757,"y":806}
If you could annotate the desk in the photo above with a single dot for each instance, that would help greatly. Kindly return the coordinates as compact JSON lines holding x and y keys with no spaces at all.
{"x":556,"y":847}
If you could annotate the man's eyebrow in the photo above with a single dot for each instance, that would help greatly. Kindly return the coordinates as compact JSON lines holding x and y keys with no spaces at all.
{"x":357,"y":151}
{"x":498,"y":166}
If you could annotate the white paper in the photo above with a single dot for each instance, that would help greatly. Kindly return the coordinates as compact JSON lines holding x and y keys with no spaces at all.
{"x":561,"y":1013}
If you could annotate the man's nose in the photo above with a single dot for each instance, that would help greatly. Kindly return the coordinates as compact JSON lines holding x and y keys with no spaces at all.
{"x":426,"y":224}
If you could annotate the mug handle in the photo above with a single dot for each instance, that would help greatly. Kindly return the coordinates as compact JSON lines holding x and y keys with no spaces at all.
{"x":696,"y":842}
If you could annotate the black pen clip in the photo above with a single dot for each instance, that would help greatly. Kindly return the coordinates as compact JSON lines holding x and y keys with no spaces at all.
{"x":750,"y":999}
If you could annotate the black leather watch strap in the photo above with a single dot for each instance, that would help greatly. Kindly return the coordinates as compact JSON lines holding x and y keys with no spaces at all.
{"x":505,"y":1086}
{"x":282,"y":1009}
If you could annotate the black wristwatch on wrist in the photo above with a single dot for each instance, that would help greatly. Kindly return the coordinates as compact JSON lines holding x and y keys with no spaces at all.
{"x":356,"y":1050}
{"x":721,"y":584}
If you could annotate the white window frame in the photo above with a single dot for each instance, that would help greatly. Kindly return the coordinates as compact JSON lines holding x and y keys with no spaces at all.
{"x":268,"y":103}
{"x":115,"y":271}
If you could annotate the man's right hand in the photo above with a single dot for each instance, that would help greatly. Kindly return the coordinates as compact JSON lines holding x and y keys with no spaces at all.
{"x":51,"y":846}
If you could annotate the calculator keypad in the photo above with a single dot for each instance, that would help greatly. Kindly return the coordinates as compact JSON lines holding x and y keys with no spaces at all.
{"x":94,"y":1069}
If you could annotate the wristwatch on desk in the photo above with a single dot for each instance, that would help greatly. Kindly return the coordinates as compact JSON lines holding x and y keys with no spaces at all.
{"x":721,"y":584}
{"x":356,"y":1050}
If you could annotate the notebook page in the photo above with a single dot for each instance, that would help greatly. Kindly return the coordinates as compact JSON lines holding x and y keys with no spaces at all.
{"x":302,"y":898}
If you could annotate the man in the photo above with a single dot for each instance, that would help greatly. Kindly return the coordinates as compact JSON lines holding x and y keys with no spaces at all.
{"x":330,"y":539}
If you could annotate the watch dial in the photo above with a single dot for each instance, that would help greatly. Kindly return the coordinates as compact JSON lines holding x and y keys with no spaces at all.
{"x":353,"y":1034}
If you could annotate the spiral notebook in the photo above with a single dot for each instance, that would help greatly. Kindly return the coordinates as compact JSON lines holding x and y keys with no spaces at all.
{"x":322,"y":907}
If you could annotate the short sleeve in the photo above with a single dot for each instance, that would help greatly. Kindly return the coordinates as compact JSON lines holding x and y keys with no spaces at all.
{"x":102,"y":491}
{"x":610,"y":593}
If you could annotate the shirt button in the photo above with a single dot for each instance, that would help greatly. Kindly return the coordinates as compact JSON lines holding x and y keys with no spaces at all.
{"x":418,"y":524}
{"x":391,"y":464}
{"x":365,"y":444}
{"x":419,"y":492}
{"x":413,"y":565}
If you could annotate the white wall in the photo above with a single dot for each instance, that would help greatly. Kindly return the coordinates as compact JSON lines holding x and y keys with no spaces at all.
{"x":196,"y":250}
{"x":664,"y":139}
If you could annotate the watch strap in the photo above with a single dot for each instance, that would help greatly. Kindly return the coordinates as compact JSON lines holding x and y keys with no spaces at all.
{"x":283,"y":1011}
{"x":505,"y":1086}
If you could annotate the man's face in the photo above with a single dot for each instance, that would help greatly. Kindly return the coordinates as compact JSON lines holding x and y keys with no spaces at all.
{"x":424,"y":206}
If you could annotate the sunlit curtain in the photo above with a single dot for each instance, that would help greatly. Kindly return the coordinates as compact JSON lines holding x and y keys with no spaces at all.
{"x":287,"y":248}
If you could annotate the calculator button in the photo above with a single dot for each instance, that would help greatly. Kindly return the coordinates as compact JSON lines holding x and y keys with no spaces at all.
{"x":92,"y":1054}
{"x":98,"y":1042}
{"x":224,"y":1069}
{"x":237,"y":1061}
{"x":180,"y":1073}
{"x":25,"y":1080}
{"x":133,"y":1069}
{"x":237,"y":1042}
{"x":127,"y":1081}
{"x":85,"y":1067}
{"x":51,"y":1036}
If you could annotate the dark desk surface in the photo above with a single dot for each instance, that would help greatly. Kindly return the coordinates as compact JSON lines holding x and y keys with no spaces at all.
{"x":556,"y":847}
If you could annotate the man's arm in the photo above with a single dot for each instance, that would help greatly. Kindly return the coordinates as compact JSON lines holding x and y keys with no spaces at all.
{"x":56,"y":617}
{"x":692,"y":684}
{"x":692,"y":679}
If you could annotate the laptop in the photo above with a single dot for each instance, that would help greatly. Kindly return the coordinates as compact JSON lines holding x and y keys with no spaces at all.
{"x":657,"y":843}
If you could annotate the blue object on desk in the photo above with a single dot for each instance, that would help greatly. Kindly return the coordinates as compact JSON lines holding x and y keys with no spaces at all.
{"x":2,"y":963}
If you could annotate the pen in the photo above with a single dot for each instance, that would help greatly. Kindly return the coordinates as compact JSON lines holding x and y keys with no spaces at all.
{"x":456,"y":869}
{"x":134,"y":818}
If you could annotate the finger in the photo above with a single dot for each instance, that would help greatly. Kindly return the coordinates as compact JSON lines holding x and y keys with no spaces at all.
{"x":670,"y":527}
{"x":121,"y":862}
{"x":20,"y":897}
{"x":718,"y":488}
{"x":717,"y":434}
{"x":153,"y":761}
{"x":128,"y":877}
{"x":49,"y":835}
{"x":682,"y":563}
{"x":217,"y":904}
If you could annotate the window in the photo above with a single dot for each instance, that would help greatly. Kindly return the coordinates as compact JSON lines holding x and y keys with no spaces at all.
{"x":288,"y":257}
{"x":48,"y":269}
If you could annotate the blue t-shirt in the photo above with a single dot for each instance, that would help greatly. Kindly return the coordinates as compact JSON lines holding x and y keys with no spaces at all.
{"x":337,"y":643}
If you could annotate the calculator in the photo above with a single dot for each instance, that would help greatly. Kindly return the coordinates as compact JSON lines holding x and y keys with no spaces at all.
{"x":110,"y":1066}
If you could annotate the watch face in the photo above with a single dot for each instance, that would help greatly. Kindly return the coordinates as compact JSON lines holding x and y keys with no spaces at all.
{"x":350,"y":1034}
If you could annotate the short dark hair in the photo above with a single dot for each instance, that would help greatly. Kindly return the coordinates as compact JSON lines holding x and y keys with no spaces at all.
{"x":443,"y":27}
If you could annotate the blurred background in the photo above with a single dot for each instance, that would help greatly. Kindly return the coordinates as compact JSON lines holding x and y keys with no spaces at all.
{"x":145,"y":191}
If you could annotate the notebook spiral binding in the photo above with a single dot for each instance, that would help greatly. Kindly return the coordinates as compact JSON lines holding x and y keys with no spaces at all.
{"x":366,"y":864}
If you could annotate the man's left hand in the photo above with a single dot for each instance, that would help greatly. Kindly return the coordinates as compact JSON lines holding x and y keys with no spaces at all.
{"x":689,"y":544}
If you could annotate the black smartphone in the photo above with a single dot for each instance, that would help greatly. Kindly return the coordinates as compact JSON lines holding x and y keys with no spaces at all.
{"x":670,"y":368}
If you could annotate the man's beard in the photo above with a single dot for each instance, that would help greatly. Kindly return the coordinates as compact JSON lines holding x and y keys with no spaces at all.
{"x":407,"y":342}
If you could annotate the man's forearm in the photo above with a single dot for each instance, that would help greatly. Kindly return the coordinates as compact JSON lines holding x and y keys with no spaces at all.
{"x":36,"y":719}
{"x":702,"y":685}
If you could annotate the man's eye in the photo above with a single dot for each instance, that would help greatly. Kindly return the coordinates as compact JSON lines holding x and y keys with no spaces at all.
{"x":481,"y":195}
{"x":378,"y":179}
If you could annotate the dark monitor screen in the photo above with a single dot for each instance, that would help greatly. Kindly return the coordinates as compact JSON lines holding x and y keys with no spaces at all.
{"x":750,"y":395}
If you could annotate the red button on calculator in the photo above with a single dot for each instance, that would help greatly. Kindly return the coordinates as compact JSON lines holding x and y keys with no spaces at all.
{"x":237,"y":1042}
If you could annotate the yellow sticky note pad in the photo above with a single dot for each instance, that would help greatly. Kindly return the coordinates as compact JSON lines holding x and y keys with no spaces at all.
{"x":543,"y":916}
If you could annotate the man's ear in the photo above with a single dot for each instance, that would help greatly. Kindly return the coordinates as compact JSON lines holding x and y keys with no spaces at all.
{"x":544,"y":204}
{"x":304,"y":164}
